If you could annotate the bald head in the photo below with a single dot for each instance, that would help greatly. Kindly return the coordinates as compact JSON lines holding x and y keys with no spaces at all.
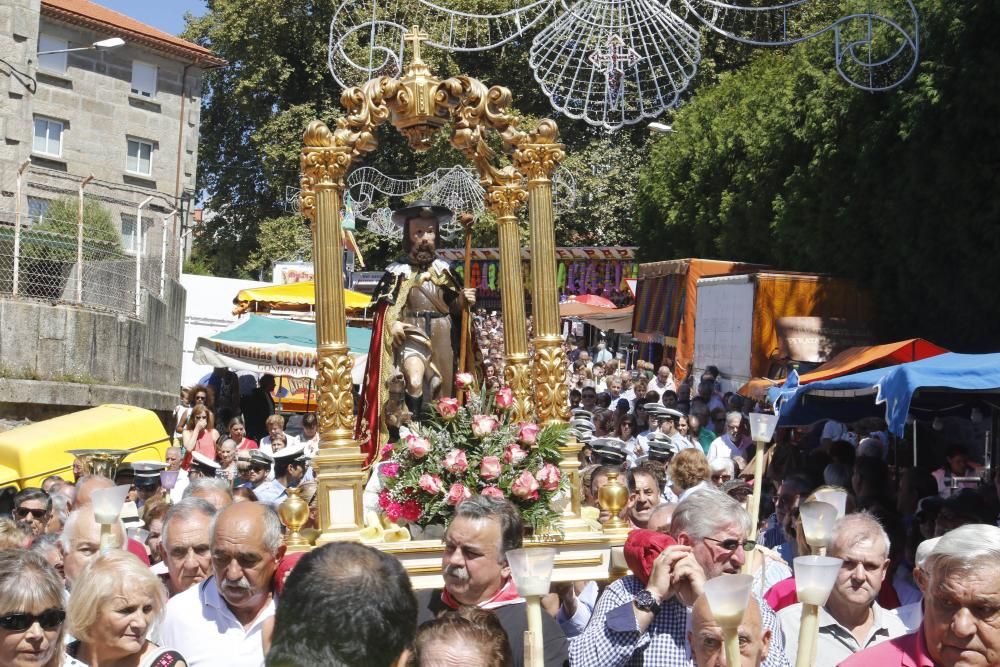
{"x":706,"y":639}
{"x":86,"y":486}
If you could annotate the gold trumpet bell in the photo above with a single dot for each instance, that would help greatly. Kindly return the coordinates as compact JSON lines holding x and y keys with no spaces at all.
{"x":103,"y":462}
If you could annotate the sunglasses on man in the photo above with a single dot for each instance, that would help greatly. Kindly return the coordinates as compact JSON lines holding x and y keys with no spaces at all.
{"x":19,"y":621}
{"x":734,"y":544}
{"x":23,"y":512}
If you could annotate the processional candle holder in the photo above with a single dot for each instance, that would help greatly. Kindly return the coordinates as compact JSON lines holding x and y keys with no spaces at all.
{"x":613,"y":497}
{"x":103,"y":462}
{"x":762,"y":426}
{"x":836,"y":497}
{"x":532,"y":573}
{"x":168,"y":479}
{"x":107,"y":504}
{"x":818,"y":520}
{"x":728,"y":596}
{"x":814,"y":579}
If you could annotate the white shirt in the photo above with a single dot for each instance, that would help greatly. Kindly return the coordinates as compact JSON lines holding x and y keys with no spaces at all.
{"x":199,"y":625}
{"x":654,"y":385}
{"x":836,"y":643}
{"x":724,"y":448}
{"x":177,"y":493}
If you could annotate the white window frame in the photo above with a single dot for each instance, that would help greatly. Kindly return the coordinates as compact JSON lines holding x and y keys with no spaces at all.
{"x":130,"y":240}
{"x":53,"y":62}
{"x":138,"y":159}
{"x":144,"y":88}
{"x":49,"y":122}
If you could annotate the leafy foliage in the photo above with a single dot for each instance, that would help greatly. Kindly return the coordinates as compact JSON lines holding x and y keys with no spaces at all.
{"x":781,"y":162}
{"x":53,"y":239}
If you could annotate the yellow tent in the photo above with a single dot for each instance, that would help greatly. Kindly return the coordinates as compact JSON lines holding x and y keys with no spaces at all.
{"x":293,"y":296}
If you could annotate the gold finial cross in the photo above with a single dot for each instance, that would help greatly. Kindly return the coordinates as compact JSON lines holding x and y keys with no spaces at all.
{"x":416,"y":37}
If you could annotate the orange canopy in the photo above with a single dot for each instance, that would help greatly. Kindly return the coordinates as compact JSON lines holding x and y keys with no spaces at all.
{"x":852,"y":360}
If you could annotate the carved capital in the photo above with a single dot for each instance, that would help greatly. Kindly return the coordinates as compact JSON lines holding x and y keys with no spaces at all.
{"x":505,"y":200}
{"x":323,"y":164}
{"x":517,"y":376}
{"x":539,"y":153}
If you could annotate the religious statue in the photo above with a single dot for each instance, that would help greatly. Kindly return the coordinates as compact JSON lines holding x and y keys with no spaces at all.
{"x":416,"y":331}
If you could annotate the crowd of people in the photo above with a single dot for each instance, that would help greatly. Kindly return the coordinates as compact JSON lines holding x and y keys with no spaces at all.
{"x":196,"y":571}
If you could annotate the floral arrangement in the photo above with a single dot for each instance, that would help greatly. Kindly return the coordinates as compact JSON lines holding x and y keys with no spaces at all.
{"x":456,"y":452}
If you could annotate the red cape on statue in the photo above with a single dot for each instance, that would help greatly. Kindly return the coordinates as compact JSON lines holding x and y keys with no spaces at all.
{"x":367,"y":423}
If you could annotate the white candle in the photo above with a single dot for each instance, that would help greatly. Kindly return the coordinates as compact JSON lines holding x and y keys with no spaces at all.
{"x":812,"y":594}
{"x":532,"y":585}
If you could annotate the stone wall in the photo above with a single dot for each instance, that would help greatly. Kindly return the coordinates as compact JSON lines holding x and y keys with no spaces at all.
{"x":114,"y":358}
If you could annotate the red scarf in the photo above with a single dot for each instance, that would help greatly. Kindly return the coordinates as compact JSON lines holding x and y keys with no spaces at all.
{"x":641,"y":549}
{"x":506,"y":595}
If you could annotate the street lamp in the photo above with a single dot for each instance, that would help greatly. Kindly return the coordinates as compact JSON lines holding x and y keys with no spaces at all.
{"x":110,"y":43}
{"x":660,"y":128}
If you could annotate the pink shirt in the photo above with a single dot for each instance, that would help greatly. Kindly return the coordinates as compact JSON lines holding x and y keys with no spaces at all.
{"x":906,"y":651}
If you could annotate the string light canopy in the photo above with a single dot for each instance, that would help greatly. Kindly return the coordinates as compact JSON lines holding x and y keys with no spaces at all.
{"x":618,"y":62}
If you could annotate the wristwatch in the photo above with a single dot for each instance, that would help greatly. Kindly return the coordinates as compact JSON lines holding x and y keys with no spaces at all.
{"x":645,"y":601}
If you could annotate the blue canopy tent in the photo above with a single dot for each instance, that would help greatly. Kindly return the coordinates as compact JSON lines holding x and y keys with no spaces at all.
{"x":934,"y":384}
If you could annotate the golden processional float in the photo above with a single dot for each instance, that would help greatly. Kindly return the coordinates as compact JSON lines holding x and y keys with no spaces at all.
{"x":418,"y":105}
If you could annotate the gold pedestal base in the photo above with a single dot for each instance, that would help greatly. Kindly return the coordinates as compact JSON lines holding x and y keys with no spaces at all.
{"x":341,"y":482}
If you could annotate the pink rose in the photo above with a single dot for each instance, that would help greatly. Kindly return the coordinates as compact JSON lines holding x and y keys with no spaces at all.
{"x":490,"y":467}
{"x":505,"y":398}
{"x":549,"y":476}
{"x":389,"y":470}
{"x":528,"y":433}
{"x":457,"y":493}
{"x":447,"y":408}
{"x":483,"y":425}
{"x":514,"y":455}
{"x":525,"y":486}
{"x":464,"y":380}
{"x":430,"y":483}
{"x":492,"y":492}
{"x":455,"y":461}
{"x":417,"y":446}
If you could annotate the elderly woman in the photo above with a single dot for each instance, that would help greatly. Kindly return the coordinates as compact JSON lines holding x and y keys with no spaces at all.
{"x":111,"y":609}
{"x":226,"y":453}
{"x":199,"y":432}
{"x":469,"y":636}
{"x":31,"y":612}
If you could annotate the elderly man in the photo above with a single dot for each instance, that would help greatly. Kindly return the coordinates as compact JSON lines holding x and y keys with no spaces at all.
{"x":664,"y":381}
{"x":222,"y":620}
{"x":732,"y":444}
{"x":173,"y":458}
{"x":476,"y":573}
{"x":639,"y":622}
{"x":80,"y":541}
{"x":211,"y":489}
{"x":85,"y":487}
{"x":185,"y":543}
{"x":851,"y":620}
{"x":961,"y":626}
{"x":32,"y":510}
{"x":706,"y":640}
{"x":362,"y":600}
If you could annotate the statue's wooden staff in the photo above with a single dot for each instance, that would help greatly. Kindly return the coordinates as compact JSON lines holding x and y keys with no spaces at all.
{"x":466,"y":220}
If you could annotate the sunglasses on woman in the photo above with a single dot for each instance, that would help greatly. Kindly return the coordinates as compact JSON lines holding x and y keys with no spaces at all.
{"x":23,"y":512}
{"x":19,"y":621}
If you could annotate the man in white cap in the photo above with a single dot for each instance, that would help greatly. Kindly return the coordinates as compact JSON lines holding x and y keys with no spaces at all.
{"x":668,"y":426}
{"x":202,"y":466}
{"x":147,"y":480}
{"x":289,"y":469}
{"x":258,"y":470}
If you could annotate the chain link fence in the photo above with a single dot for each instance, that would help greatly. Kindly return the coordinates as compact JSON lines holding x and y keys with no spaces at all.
{"x":66,"y":238}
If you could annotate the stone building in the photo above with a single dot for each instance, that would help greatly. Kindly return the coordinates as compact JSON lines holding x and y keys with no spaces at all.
{"x":127,"y":116}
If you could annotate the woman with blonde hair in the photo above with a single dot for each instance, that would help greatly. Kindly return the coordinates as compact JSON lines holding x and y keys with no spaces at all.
{"x":113,"y":605}
{"x":32,"y":619}
{"x":199,"y":432}
{"x":686,"y":470}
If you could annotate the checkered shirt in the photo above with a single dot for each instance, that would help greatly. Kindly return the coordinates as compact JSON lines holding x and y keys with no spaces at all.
{"x":612,"y":639}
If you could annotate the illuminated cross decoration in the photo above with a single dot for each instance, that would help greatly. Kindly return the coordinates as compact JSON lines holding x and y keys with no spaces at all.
{"x":416,"y":38}
{"x":613,"y":62}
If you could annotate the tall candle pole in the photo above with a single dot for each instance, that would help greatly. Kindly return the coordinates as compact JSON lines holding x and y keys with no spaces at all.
{"x":762,"y":427}
{"x":814,"y":579}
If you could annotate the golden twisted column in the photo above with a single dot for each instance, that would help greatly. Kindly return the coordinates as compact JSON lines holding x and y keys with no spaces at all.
{"x":339,"y":462}
{"x":504,"y":200}
{"x":537,"y":158}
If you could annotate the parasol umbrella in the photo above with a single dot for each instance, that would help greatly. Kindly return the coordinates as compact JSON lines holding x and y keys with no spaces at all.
{"x":593,"y":300}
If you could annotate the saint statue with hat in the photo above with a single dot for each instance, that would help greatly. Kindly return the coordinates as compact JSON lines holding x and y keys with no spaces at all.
{"x":416,"y":333}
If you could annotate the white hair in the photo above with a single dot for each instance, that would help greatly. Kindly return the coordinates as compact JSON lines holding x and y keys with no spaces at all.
{"x":735,"y":414}
{"x":924,"y":550}
{"x":965,"y":548}
{"x":853,"y":529}
{"x":208,"y":484}
{"x":706,"y":511}
{"x":184,"y":510}
{"x":722,"y":464}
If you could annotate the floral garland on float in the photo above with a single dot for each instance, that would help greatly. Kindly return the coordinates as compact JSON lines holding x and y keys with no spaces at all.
{"x":456,"y":452}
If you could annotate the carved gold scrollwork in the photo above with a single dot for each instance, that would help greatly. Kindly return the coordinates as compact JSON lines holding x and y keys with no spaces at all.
{"x":549,"y":370}
{"x":333,"y":383}
{"x":517,"y":376}
{"x":539,"y":153}
{"x":505,"y":200}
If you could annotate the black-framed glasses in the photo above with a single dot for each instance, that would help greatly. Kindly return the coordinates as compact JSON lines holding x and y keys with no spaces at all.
{"x":23,"y":512}
{"x":19,"y":621}
{"x":733,"y":544}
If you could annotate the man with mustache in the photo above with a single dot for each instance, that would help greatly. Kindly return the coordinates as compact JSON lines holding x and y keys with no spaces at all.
{"x":221,"y":621}
{"x":476,"y":574}
{"x":418,"y":308}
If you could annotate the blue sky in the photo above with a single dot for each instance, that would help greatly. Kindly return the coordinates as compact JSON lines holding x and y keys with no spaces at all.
{"x":167,"y":15}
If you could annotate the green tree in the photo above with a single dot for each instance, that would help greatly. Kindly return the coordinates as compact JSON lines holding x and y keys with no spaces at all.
{"x":54,"y":238}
